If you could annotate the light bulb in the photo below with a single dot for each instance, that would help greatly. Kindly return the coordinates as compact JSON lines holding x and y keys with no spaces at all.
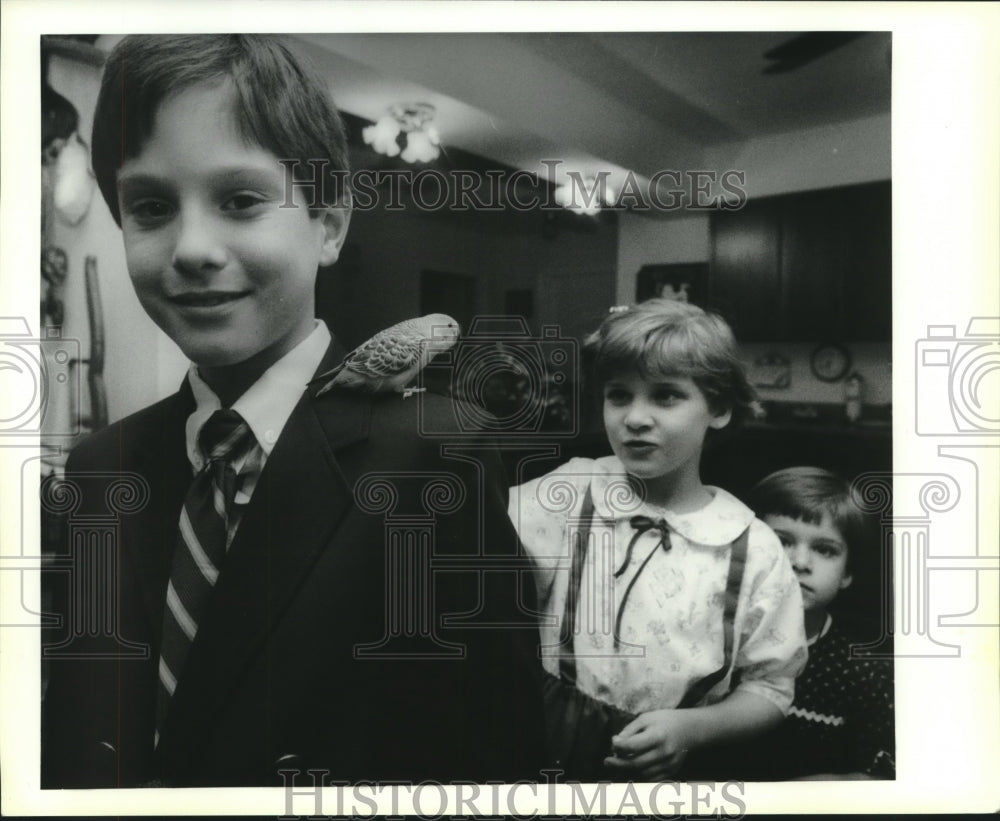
{"x":382,"y":136}
{"x":420,"y":147}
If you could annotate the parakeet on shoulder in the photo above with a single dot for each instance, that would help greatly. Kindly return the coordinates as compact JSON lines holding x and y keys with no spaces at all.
{"x":391,"y":359}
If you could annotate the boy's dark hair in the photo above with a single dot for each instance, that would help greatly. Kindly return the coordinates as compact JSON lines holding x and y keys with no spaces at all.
{"x":809,"y":493}
{"x":282,"y":105}
{"x":663,"y":337}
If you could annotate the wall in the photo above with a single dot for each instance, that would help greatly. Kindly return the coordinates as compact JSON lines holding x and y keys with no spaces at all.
{"x":840,"y":154}
{"x":647,"y":241}
{"x":141,"y":363}
{"x":872,"y":360}
{"x":501,"y":251}
{"x":845,"y":153}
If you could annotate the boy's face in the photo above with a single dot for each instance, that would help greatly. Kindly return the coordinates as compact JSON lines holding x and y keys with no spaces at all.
{"x":657,"y":426}
{"x":818,"y":554}
{"x":215,"y":260}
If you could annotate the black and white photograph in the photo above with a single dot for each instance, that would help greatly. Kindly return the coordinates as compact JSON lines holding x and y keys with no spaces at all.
{"x":593,"y":413}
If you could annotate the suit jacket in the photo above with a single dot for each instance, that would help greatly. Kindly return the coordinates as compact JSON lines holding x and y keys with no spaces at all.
{"x":369,"y":619}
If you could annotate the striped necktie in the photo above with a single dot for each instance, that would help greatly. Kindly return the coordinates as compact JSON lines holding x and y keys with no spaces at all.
{"x":201,"y":547}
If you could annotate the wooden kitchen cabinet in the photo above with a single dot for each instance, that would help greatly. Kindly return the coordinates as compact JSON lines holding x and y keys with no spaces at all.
{"x":744,"y":281}
{"x":815,"y":260}
{"x":808,"y":267}
{"x":869,"y":275}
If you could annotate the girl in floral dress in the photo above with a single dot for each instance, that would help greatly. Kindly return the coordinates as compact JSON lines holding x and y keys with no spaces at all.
{"x":649,"y":595}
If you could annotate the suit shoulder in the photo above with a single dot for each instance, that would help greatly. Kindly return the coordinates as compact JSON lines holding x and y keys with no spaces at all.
{"x":430,"y":415}
{"x":106,"y":444}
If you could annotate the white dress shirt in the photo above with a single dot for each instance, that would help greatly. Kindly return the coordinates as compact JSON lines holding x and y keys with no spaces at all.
{"x":265,"y":406}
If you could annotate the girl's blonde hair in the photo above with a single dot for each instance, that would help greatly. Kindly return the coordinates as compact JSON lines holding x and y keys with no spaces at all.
{"x":663,"y":337}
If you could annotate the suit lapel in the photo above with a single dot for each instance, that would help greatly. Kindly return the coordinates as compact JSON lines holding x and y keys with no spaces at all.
{"x":299,"y":500}
{"x":149,"y":536}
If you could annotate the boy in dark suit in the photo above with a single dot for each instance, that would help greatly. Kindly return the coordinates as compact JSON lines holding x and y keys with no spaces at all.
{"x":276,"y":603}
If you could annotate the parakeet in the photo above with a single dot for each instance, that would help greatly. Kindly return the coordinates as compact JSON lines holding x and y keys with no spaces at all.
{"x":391,"y":359}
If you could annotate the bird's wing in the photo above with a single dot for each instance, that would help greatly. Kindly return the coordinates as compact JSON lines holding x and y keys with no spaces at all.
{"x":330,"y":373}
{"x":384,"y":356}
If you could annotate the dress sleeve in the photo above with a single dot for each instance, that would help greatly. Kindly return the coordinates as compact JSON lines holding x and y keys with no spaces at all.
{"x":772,"y":648}
{"x":873,"y":720}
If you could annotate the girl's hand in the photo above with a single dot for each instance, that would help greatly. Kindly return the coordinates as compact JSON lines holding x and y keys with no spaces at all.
{"x":653,"y":746}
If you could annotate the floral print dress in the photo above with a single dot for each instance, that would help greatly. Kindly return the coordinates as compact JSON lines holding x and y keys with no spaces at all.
{"x":649,"y":618}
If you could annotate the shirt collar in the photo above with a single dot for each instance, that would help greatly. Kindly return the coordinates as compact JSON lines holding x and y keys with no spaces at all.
{"x":267,"y":404}
{"x":827,"y":624}
{"x":720,"y":522}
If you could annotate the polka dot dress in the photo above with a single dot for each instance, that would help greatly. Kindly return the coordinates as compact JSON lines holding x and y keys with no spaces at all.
{"x":841,"y":721}
{"x":842,"y":716}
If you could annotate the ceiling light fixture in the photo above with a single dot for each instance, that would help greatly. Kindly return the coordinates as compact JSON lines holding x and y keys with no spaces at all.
{"x":406,"y":131}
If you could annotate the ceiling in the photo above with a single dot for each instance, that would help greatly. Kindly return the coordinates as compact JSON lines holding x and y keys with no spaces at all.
{"x":635,"y":102}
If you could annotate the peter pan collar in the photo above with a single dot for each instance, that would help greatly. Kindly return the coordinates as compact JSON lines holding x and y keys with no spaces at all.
{"x":718,"y":523}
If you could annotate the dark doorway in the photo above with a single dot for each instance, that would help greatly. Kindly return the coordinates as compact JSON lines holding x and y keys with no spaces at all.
{"x":447,"y":293}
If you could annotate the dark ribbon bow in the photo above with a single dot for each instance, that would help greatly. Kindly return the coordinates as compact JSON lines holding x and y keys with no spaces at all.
{"x":641,"y":525}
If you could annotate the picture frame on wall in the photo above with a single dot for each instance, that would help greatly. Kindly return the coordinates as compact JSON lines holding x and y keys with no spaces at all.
{"x":684,"y":282}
